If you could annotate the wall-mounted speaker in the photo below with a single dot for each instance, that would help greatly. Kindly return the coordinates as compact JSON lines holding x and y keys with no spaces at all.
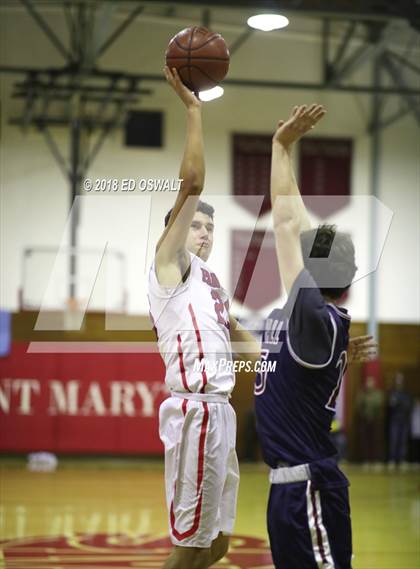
{"x":144,"y":128}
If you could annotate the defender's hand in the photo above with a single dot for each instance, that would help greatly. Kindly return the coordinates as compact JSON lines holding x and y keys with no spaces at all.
{"x":186,"y":96}
{"x":301,"y":121}
{"x":361,"y":349}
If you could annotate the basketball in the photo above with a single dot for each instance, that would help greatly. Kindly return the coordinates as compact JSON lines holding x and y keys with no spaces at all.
{"x":200,"y":56}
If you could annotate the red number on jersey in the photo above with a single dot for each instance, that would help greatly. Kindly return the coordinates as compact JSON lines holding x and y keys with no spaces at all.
{"x":219,"y":307}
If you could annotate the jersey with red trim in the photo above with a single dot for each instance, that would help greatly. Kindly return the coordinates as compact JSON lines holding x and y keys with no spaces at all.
{"x":192,"y":326}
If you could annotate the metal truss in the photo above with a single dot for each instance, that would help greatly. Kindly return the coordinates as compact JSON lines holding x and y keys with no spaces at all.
{"x":95,"y":100}
{"x":338,"y":67}
{"x":85,"y":50}
{"x":89,"y":107}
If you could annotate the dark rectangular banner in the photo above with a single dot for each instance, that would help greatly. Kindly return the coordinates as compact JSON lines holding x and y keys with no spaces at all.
{"x":325,"y":170}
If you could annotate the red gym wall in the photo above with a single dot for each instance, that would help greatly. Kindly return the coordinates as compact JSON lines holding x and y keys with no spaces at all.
{"x":80,"y":402}
{"x":109,"y":402}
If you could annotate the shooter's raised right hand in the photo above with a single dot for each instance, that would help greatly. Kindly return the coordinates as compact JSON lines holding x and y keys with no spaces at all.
{"x":186,"y":96}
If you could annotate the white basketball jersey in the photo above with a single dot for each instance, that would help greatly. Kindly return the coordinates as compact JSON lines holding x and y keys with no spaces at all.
{"x":192,"y":325}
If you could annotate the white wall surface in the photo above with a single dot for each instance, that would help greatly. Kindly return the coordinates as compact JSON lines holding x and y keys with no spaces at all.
{"x":35,"y":196}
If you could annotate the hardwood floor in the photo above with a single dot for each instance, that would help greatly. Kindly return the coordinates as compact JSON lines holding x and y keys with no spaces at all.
{"x":103,"y":513}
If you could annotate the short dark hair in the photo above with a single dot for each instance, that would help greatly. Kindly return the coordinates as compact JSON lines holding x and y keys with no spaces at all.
{"x":204,"y":207}
{"x":338,"y":250}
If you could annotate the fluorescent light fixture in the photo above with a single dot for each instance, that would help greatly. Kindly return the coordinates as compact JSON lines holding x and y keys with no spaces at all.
{"x":211,"y":94}
{"x":268,"y":22}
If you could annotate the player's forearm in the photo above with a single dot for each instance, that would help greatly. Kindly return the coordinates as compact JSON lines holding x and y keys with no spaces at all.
{"x":282,"y":189}
{"x":283,"y":182}
{"x":192,"y":167}
{"x":244,"y":344}
{"x":284,"y":185}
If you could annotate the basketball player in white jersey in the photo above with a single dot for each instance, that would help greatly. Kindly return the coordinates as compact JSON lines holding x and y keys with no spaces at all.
{"x":190,"y":312}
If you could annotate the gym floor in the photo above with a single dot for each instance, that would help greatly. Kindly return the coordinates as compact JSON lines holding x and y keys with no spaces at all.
{"x":110,"y":513}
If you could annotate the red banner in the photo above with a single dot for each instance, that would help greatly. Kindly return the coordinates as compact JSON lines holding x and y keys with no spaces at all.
{"x":325,"y":170}
{"x":104,"y":403}
{"x":251,"y":171}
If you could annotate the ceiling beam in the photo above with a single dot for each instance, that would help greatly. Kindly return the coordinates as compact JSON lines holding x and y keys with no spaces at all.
{"x":395,"y":74}
{"x":319,"y":86}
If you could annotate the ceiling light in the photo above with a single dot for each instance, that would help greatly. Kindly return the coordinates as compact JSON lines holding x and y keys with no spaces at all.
{"x":268,"y":22}
{"x":210,"y":94}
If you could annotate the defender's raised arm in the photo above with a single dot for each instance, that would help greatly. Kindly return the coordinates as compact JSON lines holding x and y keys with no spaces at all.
{"x":289,"y":213}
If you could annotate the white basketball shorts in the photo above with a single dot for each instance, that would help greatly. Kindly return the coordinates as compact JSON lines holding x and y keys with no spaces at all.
{"x":201,"y":467}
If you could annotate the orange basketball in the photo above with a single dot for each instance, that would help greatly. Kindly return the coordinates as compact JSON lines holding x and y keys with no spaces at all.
{"x":201,"y":58}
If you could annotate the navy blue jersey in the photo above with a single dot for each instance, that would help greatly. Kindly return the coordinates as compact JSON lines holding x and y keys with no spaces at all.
{"x":295,"y":403}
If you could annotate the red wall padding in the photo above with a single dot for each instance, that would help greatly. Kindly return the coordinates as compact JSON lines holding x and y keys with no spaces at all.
{"x":80,"y":403}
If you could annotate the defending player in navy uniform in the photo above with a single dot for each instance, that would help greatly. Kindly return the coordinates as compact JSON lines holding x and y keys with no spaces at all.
{"x":308,"y":512}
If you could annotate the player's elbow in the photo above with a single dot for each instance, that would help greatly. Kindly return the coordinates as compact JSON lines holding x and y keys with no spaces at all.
{"x":285,"y":214}
{"x":285,"y":222}
{"x":193,"y":182}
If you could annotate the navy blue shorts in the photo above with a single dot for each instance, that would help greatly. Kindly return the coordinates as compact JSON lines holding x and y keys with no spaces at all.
{"x":309,"y":528}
